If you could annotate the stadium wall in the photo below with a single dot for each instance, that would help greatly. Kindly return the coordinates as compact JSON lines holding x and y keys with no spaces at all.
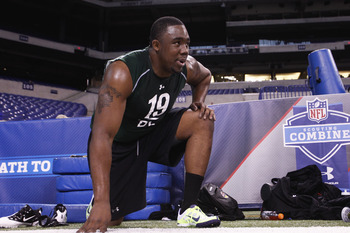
{"x":89,"y":97}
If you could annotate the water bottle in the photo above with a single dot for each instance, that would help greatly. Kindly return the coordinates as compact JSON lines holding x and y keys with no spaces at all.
{"x":271,"y":215}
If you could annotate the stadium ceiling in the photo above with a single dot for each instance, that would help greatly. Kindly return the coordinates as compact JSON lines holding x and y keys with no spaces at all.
{"x":72,"y":39}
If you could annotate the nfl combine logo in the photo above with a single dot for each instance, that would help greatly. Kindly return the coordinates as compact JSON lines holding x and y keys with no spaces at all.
{"x":317,"y":110}
{"x":320,"y":141}
{"x":319,"y":131}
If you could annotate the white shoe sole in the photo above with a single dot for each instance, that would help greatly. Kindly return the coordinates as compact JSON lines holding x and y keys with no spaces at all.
{"x":345,"y":214}
{"x":14,"y":225}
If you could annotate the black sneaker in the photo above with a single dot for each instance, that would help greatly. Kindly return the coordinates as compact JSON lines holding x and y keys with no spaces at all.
{"x":25,"y":217}
{"x":58,"y":217}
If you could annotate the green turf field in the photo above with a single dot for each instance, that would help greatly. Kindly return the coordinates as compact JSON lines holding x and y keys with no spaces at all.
{"x":251,"y":221}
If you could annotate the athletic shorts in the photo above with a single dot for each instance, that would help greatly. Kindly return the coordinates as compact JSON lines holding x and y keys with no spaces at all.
{"x":129,"y":163}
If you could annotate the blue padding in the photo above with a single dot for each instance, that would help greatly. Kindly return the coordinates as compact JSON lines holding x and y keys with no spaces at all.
{"x":75,"y":213}
{"x":153,"y":196}
{"x":70,"y":165}
{"x":28,"y":189}
{"x":177,"y":184}
{"x":155,"y":167}
{"x":142,"y":214}
{"x":158,"y":180}
{"x":157,"y":196}
{"x":44,"y":137}
{"x":73,"y":182}
{"x":83,"y":182}
{"x":74,"y":197}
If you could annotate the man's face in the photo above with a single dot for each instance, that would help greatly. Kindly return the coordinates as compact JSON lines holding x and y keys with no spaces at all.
{"x":174,"y":48}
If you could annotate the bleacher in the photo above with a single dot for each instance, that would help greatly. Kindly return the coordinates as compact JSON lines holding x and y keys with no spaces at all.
{"x":15,"y":107}
{"x":266,"y":92}
{"x":275,"y":92}
{"x":18,"y":107}
{"x":227,"y":91}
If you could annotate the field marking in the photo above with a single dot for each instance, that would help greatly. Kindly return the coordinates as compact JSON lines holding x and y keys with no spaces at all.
{"x":203,"y":230}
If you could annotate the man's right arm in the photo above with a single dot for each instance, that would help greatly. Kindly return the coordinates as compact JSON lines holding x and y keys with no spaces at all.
{"x":116,"y":87}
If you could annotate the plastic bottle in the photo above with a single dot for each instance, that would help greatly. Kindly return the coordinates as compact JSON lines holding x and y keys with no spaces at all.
{"x":271,"y":215}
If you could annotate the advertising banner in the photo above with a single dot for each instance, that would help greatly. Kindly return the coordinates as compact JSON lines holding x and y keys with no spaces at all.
{"x":319,"y":131}
{"x":255,"y":141}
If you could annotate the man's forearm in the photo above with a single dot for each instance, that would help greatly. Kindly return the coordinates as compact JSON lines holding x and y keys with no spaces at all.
{"x":100,"y":165}
{"x":199,"y":92}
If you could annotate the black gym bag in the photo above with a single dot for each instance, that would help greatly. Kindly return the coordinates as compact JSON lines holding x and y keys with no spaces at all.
{"x":301,"y":194}
{"x":212,"y":200}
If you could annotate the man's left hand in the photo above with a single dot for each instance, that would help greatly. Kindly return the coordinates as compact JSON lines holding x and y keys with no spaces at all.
{"x":204,"y":111}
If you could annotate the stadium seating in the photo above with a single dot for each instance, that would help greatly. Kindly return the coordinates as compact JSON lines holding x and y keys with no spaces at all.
{"x":274,"y":92}
{"x":298,"y":90}
{"x":18,"y":107}
{"x":347,"y":88}
{"x":221,"y":91}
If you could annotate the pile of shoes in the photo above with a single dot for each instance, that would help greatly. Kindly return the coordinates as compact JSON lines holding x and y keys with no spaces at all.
{"x":29,"y":217}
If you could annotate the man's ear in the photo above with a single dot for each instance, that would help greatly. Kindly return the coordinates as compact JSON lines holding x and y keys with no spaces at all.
{"x":156,"y":45}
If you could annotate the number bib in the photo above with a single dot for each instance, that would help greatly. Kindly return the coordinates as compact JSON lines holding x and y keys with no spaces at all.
{"x":151,"y":99}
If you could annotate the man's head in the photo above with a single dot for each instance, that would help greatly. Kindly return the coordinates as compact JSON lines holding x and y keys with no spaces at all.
{"x":160,"y":26}
{"x":170,"y":42}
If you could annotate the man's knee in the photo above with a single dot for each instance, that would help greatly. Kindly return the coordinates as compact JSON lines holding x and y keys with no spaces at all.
{"x":203,"y":124}
{"x":116,"y":222}
{"x":191,"y":124}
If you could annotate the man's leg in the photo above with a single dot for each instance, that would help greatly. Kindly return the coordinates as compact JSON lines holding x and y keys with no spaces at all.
{"x":199,"y":135}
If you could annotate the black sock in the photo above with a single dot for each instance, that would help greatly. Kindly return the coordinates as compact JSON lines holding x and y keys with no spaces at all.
{"x":193,"y":184}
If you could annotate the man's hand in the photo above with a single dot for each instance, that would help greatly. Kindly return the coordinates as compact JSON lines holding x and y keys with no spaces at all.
{"x":204,"y":111}
{"x":99,"y":218}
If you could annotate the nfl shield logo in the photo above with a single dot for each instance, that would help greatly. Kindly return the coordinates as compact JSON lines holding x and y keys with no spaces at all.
{"x":317,"y":110}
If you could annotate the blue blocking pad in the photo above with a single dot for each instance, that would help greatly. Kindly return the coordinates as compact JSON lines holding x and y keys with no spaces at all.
{"x":155,"y":167}
{"x":153,"y":196}
{"x":157,"y":196}
{"x":74,"y":197}
{"x":143,"y":214}
{"x":158,"y":180}
{"x":73,"y":183}
{"x":70,"y":165}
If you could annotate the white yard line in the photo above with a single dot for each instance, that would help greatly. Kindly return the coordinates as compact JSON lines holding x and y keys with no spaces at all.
{"x":206,"y":230}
